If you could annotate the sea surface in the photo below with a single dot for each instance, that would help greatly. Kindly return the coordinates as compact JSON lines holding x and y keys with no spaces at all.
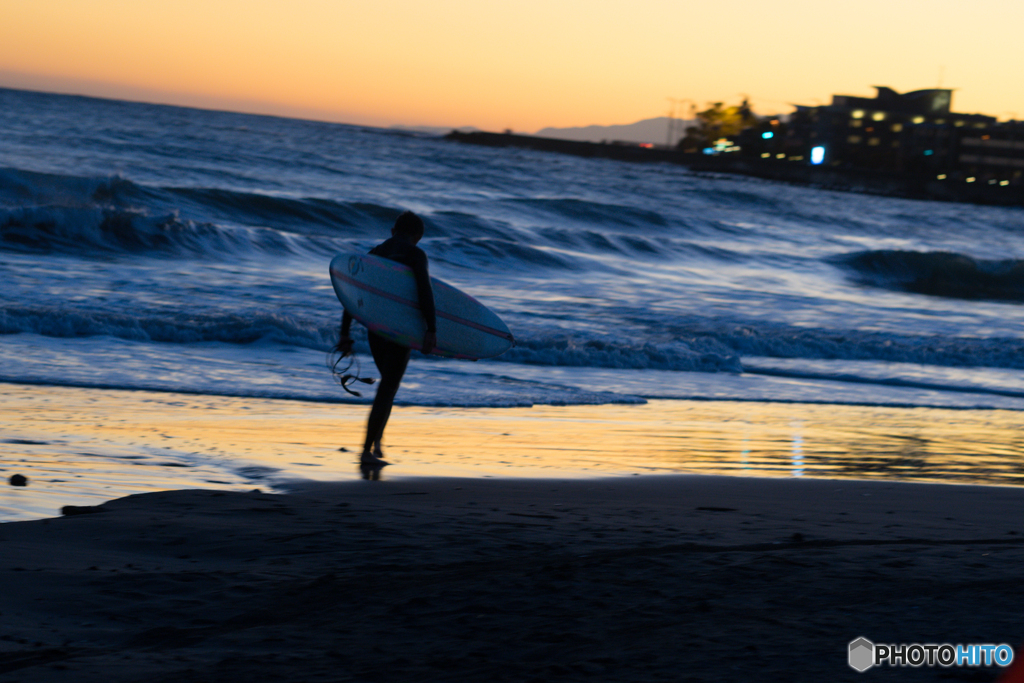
{"x":172,"y":249}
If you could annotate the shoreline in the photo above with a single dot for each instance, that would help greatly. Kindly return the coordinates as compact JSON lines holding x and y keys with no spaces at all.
{"x":84,"y":446}
{"x":676,"y":577}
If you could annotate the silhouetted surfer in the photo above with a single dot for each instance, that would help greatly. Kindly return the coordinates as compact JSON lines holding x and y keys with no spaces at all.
{"x":392,"y":358}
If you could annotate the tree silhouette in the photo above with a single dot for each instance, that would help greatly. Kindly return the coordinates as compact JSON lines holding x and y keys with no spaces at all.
{"x":717,"y":122}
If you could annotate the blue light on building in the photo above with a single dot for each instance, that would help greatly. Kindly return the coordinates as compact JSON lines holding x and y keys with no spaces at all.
{"x":817,"y":155}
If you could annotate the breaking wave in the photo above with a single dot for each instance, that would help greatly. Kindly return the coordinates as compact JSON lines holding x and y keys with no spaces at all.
{"x":67,"y":214}
{"x":942,"y":274}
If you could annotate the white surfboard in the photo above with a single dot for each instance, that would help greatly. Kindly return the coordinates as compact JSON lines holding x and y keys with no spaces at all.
{"x":381,"y":294}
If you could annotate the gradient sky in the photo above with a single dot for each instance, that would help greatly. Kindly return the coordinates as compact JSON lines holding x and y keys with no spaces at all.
{"x":522,"y":65}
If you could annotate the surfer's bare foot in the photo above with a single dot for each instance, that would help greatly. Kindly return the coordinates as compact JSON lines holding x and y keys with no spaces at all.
{"x":368,"y":459}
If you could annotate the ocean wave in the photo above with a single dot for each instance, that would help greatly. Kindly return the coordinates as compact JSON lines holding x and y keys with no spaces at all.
{"x":459,"y":223}
{"x":699,"y":346}
{"x":307,"y":216}
{"x":178,"y":329}
{"x":591,"y":240}
{"x":766,"y":200}
{"x":67,"y":214}
{"x":537,"y":349}
{"x":567,"y":351}
{"x":781,"y":341}
{"x":595,"y":213}
{"x":25,"y":188}
{"x":83,"y":230}
{"x":52,"y":213}
{"x":944,"y":274}
{"x":489,"y":251}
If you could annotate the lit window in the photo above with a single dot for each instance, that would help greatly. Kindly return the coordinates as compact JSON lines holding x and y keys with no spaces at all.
{"x":941,"y":176}
{"x":856,"y":123}
{"x":853,"y":139}
{"x":859,"y":114}
{"x":981,"y":125}
{"x":918,"y":119}
{"x":722,"y":145}
{"x":897,"y":127}
{"x":873,"y":142}
{"x":766,"y":155}
{"x":940,"y":122}
{"x":817,"y":155}
{"x":768,"y":135}
{"x":971,"y":180}
{"x":878,"y":116}
{"x":780,"y":156}
{"x":958,"y":124}
{"x":1004,"y":183}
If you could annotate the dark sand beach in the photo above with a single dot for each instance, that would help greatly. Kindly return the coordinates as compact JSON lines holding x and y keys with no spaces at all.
{"x":550,"y":543}
{"x":647,"y":578}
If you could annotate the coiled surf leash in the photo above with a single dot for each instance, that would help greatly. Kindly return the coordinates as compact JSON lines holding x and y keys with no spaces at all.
{"x":345,"y":377}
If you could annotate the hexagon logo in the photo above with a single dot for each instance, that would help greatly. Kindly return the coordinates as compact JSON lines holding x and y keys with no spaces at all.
{"x":862,"y":654}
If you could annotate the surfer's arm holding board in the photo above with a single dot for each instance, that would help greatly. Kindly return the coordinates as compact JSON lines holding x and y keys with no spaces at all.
{"x":417,"y":260}
{"x":402,"y":251}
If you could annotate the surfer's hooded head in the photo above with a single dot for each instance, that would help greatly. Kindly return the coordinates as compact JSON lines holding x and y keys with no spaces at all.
{"x":408,"y":225}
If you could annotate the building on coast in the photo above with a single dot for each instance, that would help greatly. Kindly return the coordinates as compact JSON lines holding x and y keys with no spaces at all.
{"x":914,"y":133}
{"x":899,"y":144}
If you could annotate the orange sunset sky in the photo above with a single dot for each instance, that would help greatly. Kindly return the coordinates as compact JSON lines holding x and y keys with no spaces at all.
{"x":522,"y":65}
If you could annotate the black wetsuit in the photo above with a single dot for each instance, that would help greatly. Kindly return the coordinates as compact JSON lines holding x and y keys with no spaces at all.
{"x":410,"y":255}
{"x":392,"y":358}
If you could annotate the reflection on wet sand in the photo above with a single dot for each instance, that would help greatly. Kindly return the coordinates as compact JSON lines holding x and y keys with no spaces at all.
{"x":80,"y":445}
{"x":752,"y":439}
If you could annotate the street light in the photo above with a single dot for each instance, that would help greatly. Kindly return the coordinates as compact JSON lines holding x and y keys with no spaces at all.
{"x":671,"y":132}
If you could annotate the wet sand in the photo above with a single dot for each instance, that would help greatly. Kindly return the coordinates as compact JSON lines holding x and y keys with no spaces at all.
{"x":649,"y":578}
{"x":85,"y":446}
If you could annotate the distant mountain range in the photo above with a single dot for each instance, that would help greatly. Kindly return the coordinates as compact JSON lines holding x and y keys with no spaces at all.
{"x":649,"y":130}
